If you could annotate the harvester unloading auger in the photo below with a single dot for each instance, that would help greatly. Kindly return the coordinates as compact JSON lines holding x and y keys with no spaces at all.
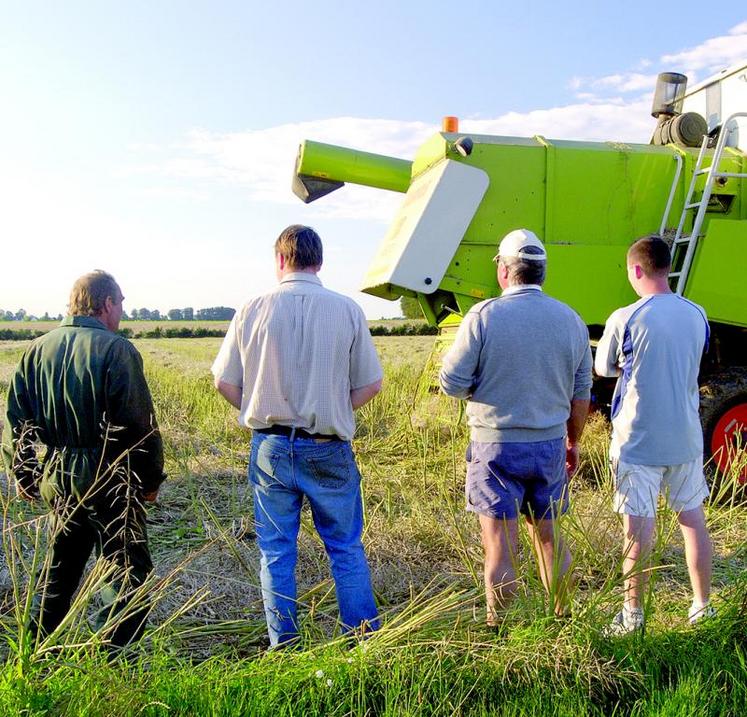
{"x":588,"y":201}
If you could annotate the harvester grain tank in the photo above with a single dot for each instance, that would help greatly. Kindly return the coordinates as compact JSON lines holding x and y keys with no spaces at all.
{"x":588,"y":201}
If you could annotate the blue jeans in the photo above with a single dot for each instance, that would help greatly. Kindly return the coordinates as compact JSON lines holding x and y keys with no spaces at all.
{"x":282,"y":471}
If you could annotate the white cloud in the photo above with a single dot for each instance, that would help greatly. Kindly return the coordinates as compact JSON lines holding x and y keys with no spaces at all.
{"x":261,"y":161}
{"x":613,"y":107}
{"x":714,"y":54}
{"x":618,"y":82}
{"x":590,"y":121}
{"x":178,"y":193}
{"x":710,"y":56}
{"x":576,"y":83}
{"x":627,"y":82}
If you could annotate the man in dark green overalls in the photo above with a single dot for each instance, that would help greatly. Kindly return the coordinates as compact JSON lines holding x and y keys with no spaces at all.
{"x":80,"y":391}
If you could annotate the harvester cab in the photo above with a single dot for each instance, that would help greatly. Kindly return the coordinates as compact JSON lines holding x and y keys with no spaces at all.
{"x":588,"y":201}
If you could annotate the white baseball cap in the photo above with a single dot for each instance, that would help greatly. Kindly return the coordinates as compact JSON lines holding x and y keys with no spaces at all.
{"x":515,"y":242}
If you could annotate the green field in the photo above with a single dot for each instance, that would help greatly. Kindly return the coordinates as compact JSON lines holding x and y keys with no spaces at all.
{"x":26,"y":330}
{"x":136,"y":326}
{"x":206,"y":652}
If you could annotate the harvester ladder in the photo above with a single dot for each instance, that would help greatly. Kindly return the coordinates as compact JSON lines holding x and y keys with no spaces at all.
{"x":689,"y":243}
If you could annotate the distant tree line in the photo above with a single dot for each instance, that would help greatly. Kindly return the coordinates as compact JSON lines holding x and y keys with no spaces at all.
{"x":23,"y":315}
{"x":404,"y":329}
{"x":212,"y":313}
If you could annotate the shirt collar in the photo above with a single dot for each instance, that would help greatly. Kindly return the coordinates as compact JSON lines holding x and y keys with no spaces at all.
{"x":657,"y":293}
{"x":87,"y":321}
{"x":301,"y":276}
{"x":516,"y":288}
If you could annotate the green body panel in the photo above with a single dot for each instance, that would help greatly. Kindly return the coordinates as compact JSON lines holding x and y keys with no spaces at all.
{"x":718,"y":280}
{"x":326,"y":161}
{"x":588,"y":201}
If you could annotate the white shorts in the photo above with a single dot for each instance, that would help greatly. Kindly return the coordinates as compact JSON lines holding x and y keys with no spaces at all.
{"x":637,"y":487}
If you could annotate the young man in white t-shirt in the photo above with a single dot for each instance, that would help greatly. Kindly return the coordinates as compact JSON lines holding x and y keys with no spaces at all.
{"x":654,"y":347}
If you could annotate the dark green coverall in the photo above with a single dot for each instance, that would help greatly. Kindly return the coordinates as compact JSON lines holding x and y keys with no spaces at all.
{"x":80,"y":390}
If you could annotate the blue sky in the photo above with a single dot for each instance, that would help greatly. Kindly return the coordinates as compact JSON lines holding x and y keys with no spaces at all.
{"x":156,"y":139}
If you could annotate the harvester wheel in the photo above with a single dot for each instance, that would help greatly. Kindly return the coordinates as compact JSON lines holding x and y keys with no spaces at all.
{"x":723,"y":413}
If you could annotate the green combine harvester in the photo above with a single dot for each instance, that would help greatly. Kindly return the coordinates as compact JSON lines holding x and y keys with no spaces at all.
{"x":588,"y":201}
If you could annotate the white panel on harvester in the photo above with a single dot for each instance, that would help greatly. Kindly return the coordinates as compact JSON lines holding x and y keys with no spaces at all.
{"x":425,"y":234}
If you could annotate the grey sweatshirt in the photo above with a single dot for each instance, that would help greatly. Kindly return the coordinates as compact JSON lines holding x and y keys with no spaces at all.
{"x":519,"y":360}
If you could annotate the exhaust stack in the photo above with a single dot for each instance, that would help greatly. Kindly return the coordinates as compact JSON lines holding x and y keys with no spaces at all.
{"x":687,"y":129}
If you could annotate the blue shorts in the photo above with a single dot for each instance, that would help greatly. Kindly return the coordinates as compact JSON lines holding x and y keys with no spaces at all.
{"x":505,"y":479}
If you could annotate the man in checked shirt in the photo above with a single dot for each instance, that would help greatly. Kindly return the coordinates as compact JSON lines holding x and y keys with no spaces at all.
{"x":297,"y":362}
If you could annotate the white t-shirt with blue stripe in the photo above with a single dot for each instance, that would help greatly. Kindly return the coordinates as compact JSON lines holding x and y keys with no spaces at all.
{"x":654,"y":346}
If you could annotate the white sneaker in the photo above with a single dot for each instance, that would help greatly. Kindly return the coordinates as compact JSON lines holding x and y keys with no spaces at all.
{"x":700,"y":612}
{"x":625,"y":622}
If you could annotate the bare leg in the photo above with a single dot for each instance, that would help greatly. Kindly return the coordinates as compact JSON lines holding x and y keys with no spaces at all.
{"x":499,"y":539}
{"x":639,"y":538}
{"x":554,"y":560}
{"x":698,"y":552}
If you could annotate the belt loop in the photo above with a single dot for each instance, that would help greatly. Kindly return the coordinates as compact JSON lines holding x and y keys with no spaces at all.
{"x":292,"y":434}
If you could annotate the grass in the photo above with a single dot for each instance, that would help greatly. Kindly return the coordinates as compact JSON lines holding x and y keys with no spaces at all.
{"x":26,"y":330}
{"x":206,"y":652}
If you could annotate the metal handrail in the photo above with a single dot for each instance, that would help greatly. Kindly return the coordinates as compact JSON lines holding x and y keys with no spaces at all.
{"x":700,"y":216}
{"x":677,"y":172}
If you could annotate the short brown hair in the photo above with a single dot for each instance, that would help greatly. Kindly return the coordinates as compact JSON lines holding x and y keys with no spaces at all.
{"x":300,"y":246}
{"x":652,"y":254}
{"x":88,"y":295}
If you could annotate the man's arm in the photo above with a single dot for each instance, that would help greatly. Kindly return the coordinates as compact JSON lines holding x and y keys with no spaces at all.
{"x":580,"y":401}
{"x":231,"y":393}
{"x":361,"y":396}
{"x":135,"y":436}
{"x":575,"y":427}
{"x":228,"y":369}
{"x":18,"y":438}
{"x":459,"y":367}
{"x":366,"y":375}
{"x":606,"y":359}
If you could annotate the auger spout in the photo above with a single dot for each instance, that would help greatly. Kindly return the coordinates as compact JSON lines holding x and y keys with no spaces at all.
{"x":322,"y":168}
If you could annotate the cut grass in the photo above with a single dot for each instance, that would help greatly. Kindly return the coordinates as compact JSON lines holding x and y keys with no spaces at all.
{"x":433,"y":655}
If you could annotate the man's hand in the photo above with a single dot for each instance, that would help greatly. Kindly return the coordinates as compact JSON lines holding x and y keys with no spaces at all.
{"x":571,"y":458}
{"x":151,"y":497}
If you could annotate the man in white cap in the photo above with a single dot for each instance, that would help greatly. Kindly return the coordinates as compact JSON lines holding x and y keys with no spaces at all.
{"x":523,"y":363}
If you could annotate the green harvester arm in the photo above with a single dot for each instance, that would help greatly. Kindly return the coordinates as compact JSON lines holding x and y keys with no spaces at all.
{"x":322,"y":168}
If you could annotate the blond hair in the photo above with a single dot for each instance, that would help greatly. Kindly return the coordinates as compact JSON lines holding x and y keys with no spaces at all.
{"x":89,"y":293}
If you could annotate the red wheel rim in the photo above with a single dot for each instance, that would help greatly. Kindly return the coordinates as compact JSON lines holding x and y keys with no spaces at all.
{"x":729,"y":436}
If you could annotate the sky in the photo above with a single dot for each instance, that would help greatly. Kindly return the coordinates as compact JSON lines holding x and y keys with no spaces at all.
{"x":156,"y":140}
